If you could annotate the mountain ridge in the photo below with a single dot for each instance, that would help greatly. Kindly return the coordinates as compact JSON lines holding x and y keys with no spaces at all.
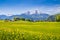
{"x":27,"y":16}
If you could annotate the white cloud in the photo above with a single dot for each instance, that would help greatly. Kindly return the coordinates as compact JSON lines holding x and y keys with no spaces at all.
{"x":41,"y":9}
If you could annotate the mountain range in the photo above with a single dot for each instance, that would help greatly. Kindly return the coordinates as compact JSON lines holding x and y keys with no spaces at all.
{"x":36,"y":16}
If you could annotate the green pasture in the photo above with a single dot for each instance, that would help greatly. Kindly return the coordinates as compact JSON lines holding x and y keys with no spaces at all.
{"x":30,"y":29}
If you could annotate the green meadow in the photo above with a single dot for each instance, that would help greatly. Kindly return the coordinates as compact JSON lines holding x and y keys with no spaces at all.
{"x":24,"y":30}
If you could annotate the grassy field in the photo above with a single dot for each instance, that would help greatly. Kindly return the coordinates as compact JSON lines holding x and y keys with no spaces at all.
{"x":22,"y":30}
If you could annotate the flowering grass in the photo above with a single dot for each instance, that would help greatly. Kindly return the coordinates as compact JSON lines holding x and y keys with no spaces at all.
{"x":21,"y":30}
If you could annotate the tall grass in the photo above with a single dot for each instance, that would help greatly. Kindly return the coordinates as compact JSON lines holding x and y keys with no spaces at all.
{"x":10,"y":34}
{"x":29,"y":31}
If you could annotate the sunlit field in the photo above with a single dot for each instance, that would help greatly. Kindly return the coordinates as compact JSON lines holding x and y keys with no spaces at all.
{"x":23,"y":30}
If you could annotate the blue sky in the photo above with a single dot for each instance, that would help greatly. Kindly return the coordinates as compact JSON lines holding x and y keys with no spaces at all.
{"x":12,"y":7}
